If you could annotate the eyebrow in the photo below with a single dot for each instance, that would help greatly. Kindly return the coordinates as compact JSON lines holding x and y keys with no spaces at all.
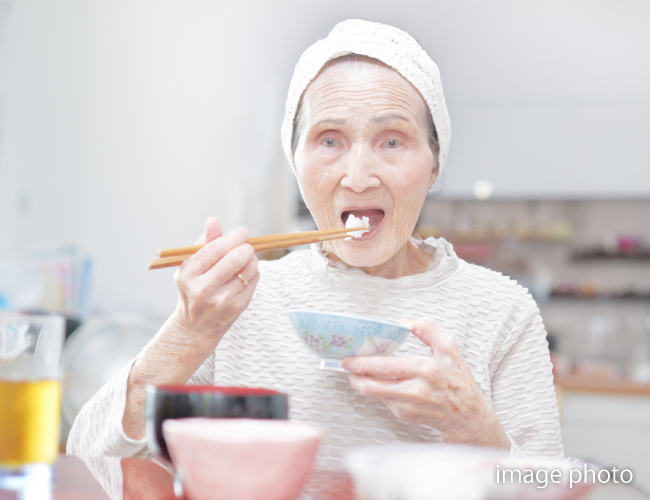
{"x":384,"y":118}
{"x":341,"y":121}
{"x":328,"y":121}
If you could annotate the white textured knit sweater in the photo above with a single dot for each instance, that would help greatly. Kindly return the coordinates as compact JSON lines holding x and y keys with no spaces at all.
{"x":494,"y":321}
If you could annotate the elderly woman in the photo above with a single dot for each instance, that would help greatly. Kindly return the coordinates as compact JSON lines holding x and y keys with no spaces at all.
{"x":367,"y":133}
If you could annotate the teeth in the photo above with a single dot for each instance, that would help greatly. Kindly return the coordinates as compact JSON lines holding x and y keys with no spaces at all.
{"x":356,"y":222}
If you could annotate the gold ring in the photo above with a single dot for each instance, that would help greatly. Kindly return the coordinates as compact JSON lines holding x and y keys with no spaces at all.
{"x":243,"y":280}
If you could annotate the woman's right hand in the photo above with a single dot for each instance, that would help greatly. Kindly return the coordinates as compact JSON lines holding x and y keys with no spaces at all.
{"x":211,"y":295}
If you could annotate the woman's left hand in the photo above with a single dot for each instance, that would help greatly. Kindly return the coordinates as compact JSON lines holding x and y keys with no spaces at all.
{"x":438,"y":391}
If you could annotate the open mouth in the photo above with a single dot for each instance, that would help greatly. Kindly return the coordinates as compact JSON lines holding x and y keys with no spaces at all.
{"x":375,"y":218}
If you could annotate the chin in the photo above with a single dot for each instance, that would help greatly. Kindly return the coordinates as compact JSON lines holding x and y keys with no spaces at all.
{"x":360,"y":256}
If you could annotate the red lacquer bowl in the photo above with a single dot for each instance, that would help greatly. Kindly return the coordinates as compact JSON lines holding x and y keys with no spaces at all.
{"x":184,"y":401}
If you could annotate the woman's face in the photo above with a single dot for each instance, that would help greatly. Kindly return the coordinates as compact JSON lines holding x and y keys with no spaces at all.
{"x":364,"y":150}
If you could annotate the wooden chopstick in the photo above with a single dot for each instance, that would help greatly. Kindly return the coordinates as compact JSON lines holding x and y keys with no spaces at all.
{"x":171,"y":257}
{"x":259,"y":240}
{"x":176,"y":260}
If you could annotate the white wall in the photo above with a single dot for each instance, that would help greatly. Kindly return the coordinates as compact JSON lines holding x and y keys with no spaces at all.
{"x":574,"y":149}
{"x":40,"y":65}
{"x":176,"y":129}
{"x":549,"y":99}
{"x":124,"y":124}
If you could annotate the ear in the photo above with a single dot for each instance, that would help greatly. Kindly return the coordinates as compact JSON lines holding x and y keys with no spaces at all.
{"x":434,"y":174}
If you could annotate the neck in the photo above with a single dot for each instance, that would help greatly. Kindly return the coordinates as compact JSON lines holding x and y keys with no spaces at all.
{"x":408,"y":260}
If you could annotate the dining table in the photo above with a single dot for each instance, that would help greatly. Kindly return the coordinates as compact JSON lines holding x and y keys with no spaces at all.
{"x":113,"y":478}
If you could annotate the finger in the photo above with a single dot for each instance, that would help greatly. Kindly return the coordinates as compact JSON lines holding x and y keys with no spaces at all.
{"x":250,"y":270}
{"x":228,"y":266}
{"x":250,"y":275}
{"x":249,"y":290}
{"x":211,"y":231}
{"x":374,"y":388}
{"x":235,"y":296}
{"x":229,"y":301}
{"x":431,"y":335}
{"x":412,"y":412}
{"x":391,"y":368}
{"x":406,"y":400}
{"x":246,"y":275}
{"x":214,"y":251}
{"x":402,"y":396}
{"x":386,"y":389}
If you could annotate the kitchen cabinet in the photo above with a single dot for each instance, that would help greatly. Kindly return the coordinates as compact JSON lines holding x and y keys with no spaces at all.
{"x":609,"y":425}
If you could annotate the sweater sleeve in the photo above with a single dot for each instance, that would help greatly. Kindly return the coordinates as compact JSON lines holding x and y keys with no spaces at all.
{"x":523,"y":394}
{"x":98,"y":430}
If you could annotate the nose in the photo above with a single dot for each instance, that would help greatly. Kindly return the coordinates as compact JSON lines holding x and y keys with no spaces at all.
{"x":361,"y":170}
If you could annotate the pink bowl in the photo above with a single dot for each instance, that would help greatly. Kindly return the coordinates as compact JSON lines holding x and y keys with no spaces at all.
{"x":242,"y":459}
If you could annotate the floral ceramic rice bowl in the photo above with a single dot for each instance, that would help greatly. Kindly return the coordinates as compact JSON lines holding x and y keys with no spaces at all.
{"x":333,"y":337}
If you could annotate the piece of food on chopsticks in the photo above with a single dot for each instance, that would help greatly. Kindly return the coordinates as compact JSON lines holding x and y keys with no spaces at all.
{"x":354,"y":222}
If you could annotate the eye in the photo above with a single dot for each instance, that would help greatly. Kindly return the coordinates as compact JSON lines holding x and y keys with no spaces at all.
{"x":392,"y":143}
{"x":329,"y":142}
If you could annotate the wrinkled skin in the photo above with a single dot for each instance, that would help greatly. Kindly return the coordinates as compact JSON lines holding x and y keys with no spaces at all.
{"x":210,"y":299}
{"x":438,"y":391}
{"x":210,"y":294}
{"x":363,"y":144}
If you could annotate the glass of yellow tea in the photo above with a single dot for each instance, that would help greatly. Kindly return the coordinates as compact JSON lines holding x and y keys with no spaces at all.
{"x":30,"y":355}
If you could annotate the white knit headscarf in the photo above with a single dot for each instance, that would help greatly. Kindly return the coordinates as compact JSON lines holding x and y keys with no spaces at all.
{"x":388,"y":44}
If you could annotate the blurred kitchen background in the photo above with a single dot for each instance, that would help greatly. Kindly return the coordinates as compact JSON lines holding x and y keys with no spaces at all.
{"x":125,"y":123}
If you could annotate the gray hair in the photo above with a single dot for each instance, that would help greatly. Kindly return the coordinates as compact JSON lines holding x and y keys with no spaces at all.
{"x":357,"y":60}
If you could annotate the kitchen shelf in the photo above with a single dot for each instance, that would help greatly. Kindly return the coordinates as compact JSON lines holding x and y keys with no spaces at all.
{"x":584,"y":384}
{"x":626,"y":296}
{"x":479,"y":238}
{"x":602,"y":255}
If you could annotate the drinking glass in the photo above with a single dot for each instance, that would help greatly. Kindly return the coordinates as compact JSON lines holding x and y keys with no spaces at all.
{"x":30,"y":354}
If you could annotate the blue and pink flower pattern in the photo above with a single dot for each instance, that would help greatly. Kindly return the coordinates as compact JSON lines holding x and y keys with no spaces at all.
{"x":338,"y":336}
